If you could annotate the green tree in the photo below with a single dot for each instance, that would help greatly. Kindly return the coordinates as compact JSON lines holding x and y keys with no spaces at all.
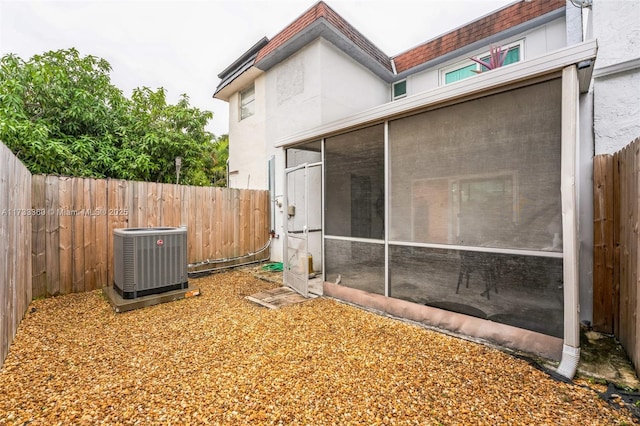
{"x":60,"y":114}
{"x":219,"y":158}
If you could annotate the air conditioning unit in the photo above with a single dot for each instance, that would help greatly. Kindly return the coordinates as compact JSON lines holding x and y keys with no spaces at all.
{"x":149,"y":261}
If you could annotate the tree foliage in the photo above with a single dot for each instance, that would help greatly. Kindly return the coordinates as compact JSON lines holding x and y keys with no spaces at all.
{"x":60,"y":114}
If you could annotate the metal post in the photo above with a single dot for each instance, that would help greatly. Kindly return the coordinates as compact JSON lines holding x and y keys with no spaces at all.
{"x":178,"y":166}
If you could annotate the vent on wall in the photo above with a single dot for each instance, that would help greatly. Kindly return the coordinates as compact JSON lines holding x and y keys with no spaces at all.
{"x":149,"y":261}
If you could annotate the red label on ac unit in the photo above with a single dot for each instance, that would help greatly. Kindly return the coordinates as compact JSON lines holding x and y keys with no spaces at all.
{"x":160,"y":243}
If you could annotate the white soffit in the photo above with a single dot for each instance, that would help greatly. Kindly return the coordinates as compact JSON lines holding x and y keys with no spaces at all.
{"x":526,"y":70}
{"x":238,"y":84}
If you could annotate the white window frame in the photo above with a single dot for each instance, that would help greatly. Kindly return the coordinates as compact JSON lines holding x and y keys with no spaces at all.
{"x":246,"y":108}
{"x":465,"y":63}
{"x":406,"y":90}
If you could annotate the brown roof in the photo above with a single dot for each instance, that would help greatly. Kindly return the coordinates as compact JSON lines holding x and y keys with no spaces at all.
{"x":322,"y":10}
{"x":504,"y":19}
{"x":482,"y":28}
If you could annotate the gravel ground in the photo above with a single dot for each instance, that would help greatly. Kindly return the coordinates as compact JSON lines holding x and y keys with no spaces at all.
{"x":218,"y":359}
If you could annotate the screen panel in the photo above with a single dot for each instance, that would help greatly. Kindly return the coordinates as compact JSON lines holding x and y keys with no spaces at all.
{"x":358,"y":264}
{"x":522,"y":291}
{"x":354,"y":173}
{"x":481,"y":173}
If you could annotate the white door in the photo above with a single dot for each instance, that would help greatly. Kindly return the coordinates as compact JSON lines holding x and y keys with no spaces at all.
{"x":299,"y":223}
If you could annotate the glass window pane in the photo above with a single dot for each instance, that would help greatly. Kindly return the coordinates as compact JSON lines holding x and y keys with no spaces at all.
{"x":247,"y":98}
{"x":460,"y":74}
{"x":399,"y":89}
{"x":359,"y":265}
{"x":354,"y":174}
{"x":307,"y":153}
{"x":482,"y":173}
{"x":522,"y":291}
{"x":513,"y":55}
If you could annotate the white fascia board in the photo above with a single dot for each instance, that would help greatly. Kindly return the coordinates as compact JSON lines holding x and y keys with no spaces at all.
{"x":238,"y":83}
{"x":547,"y":64}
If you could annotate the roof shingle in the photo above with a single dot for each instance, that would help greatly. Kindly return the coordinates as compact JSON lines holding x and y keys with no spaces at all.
{"x":482,"y":28}
{"x":322,"y":10}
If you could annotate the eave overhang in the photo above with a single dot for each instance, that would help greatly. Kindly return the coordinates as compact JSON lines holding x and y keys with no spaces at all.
{"x":323,"y":28}
{"x":230,"y":75}
{"x":540,"y":68}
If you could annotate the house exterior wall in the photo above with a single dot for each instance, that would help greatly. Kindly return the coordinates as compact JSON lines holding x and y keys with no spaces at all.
{"x":317,"y":85}
{"x":616,"y":121}
{"x":293,"y":90}
{"x":247,"y":147}
{"x":537,"y":42}
{"x":347,"y":87}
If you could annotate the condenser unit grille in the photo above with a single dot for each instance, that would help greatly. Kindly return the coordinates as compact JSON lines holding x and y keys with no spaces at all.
{"x":149,"y":260}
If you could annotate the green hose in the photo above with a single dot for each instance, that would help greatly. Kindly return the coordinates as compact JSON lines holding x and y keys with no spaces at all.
{"x":272,"y":267}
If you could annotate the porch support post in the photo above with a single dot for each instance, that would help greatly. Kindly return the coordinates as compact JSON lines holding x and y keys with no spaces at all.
{"x":570,"y":132}
{"x":387,"y":197}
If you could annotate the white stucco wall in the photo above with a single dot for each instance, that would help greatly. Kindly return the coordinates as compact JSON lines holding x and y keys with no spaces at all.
{"x":316,"y":85}
{"x":616,"y":122}
{"x":537,"y":42}
{"x":247,"y":142}
{"x":616,"y":25}
{"x":293,"y":90}
{"x":347,"y":86}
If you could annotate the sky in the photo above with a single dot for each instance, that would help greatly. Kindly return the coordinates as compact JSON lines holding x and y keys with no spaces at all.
{"x":183,"y":45}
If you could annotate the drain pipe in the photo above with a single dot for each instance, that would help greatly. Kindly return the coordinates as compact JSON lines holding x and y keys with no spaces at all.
{"x":569,"y":122}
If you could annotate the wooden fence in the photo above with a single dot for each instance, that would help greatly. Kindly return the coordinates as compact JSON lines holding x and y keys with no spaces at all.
{"x":15,"y":246}
{"x":616,"y":241}
{"x":75,"y":217}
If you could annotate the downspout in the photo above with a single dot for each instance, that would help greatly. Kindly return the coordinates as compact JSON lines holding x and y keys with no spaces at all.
{"x":272,"y":191}
{"x":570,"y":131}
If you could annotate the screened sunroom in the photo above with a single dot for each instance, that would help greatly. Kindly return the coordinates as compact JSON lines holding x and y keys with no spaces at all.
{"x":460,"y":199}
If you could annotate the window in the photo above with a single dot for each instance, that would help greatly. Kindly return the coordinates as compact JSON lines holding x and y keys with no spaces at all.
{"x":399,"y":89}
{"x":468,"y":68}
{"x":247,"y":102}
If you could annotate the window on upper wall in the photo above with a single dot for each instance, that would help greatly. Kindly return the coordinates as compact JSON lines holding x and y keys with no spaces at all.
{"x":247,"y":102}
{"x":399,"y":89}
{"x":468,"y":68}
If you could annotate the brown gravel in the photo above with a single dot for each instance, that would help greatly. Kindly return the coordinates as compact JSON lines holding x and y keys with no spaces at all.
{"x":218,"y":359}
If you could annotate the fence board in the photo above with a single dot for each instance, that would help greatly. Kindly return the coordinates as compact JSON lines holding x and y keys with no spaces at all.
{"x":603,"y":244}
{"x":620,"y":232}
{"x":65,"y":189}
{"x":634,"y":259}
{"x":38,"y":238}
{"x":218,"y":230}
{"x":627,"y":291}
{"x":208,"y":224}
{"x":89,"y":234}
{"x":616,"y":245}
{"x":632,"y":248}
{"x":77,"y":235}
{"x":101,"y":246}
{"x":52,"y":230}
{"x":196,"y":209}
{"x":234,"y":241}
{"x":11,"y":241}
{"x":243,"y":220}
{"x":16,"y":235}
